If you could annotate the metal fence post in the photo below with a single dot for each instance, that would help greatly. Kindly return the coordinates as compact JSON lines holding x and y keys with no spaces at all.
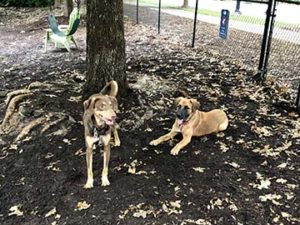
{"x":137,"y":11}
{"x":159,"y":10}
{"x":298,"y":99}
{"x":266,"y":42}
{"x":273,"y":15}
{"x":238,"y":6}
{"x":195,"y":23}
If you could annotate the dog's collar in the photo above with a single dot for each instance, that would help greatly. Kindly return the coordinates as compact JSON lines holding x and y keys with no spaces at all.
{"x":100,"y":131}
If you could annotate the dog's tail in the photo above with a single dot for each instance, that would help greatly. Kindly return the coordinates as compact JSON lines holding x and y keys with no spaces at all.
{"x":111,"y":88}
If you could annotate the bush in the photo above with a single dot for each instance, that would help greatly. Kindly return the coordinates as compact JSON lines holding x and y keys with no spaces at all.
{"x":26,"y":3}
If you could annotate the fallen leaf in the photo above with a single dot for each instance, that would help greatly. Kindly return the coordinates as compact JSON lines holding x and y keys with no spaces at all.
{"x":51,"y":212}
{"x":15,"y":210}
{"x":281,"y":181}
{"x":199,"y":169}
{"x":140,"y":213}
{"x":285,"y":215}
{"x":235,"y":165}
{"x":282,"y":165}
{"x":82,"y":206}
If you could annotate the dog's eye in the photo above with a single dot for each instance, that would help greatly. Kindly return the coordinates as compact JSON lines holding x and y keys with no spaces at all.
{"x":186,"y":107}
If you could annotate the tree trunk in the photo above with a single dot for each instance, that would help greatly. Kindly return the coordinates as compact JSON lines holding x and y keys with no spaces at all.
{"x":185,"y":3}
{"x":57,"y":3}
{"x":68,"y":7}
{"x":105,"y":46}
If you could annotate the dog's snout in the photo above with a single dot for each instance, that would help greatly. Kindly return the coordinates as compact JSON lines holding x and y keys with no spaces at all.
{"x":182,"y":114}
{"x":179,"y":116}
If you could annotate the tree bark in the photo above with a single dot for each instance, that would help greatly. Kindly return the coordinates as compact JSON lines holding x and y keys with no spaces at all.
{"x":68,"y":7}
{"x":57,"y":3}
{"x":105,"y":46}
{"x":185,"y":3}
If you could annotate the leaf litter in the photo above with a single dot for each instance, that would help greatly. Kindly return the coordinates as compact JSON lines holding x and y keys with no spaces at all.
{"x":261,"y":138}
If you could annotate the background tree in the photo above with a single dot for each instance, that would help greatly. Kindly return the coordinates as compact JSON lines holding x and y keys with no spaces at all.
{"x":57,"y":3}
{"x":185,"y":3}
{"x":105,"y":46}
{"x":68,"y":7}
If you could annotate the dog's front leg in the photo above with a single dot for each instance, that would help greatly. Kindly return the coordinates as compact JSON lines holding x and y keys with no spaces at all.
{"x":163,"y":138}
{"x":186,"y":139}
{"x":106,"y":156}
{"x":116,"y":136}
{"x":89,"y":142}
{"x":89,"y":164}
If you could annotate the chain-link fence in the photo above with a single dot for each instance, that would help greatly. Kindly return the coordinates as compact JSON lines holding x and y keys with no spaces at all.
{"x":284,"y":63}
{"x":245,"y":35}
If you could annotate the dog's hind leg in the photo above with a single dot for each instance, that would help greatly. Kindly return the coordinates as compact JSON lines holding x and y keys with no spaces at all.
{"x":89,"y":164}
{"x":223,"y":126}
{"x":106,"y":156}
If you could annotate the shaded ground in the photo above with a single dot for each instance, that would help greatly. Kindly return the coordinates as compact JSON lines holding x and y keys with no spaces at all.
{"x":283,"y":64}
{"x":247,"y":175}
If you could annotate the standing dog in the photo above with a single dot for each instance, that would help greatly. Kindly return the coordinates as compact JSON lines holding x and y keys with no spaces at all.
{"x":191,"y":122}
{"x":99,"y":121}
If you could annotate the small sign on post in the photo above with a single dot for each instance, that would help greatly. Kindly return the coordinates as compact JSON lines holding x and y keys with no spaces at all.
{"x":223,"y":31}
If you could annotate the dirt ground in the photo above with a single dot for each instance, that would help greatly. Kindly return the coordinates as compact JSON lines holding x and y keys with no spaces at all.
{"x":248,"y":174}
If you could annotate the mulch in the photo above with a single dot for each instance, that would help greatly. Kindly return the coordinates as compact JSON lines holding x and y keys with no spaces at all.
{"x":248,"y":174}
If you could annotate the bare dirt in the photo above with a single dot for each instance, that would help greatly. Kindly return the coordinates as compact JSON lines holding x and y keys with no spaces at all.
{"x":248,"y":174}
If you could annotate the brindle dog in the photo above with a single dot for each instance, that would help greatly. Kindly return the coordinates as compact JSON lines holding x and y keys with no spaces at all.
{"x":191,"y":122}
{"x":99,"y":121}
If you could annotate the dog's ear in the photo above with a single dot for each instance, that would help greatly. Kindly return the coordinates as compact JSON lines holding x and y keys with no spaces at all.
{"x":177,"y":100}
{"x":195,"y":104}
{"x":114,"y":103}
{"x":86,"y":104}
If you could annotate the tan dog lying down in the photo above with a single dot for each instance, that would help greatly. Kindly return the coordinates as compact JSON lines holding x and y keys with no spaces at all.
{"x":99,"y":120}
{"x":191,"y":122}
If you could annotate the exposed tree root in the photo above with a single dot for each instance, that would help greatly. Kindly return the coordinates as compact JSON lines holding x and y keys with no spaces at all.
{"x":14,"y":98}
{"x":11,"y":109}
{"x":53,"y":123}
{"x":27,"y":129}
{"x":5,"y":154}
{"x":12,"y":94}
{"x":37,"y":84}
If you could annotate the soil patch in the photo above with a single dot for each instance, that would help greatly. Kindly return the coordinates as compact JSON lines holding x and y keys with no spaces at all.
{"x":248,"y":174}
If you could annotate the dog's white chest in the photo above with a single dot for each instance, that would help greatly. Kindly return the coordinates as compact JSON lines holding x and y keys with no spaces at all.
{"x":98,"y":138}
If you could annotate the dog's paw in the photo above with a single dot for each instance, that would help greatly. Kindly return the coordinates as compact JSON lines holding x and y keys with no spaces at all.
{"x":154,"y":142}
{"x":89,"y":184}
{"x":105,"y":181}
{"x":174,"y":151}
{"x":117,"y":143}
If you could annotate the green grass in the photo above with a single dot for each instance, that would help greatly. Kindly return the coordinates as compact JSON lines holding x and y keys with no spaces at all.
{"x":153,"y":3}
{"x":248,"y":19}
{"x":241,"y":18}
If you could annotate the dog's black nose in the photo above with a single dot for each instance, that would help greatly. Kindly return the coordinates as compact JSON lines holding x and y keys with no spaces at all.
{"x":178,"y":115}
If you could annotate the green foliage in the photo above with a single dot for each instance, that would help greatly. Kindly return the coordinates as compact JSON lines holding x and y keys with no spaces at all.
{"x":26,"y":3}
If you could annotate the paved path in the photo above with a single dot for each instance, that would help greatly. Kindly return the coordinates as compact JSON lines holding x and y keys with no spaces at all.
{"x":288,"y":13}
{"x":285,"y":13}
{"x":282,"y":34}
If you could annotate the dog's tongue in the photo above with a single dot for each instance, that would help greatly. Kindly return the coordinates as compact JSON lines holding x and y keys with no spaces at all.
{"x":180,"y":122}
{"x":109,"y":122}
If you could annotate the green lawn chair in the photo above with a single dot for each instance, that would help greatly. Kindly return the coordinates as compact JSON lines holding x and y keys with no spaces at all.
{"x":63,"y":34}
